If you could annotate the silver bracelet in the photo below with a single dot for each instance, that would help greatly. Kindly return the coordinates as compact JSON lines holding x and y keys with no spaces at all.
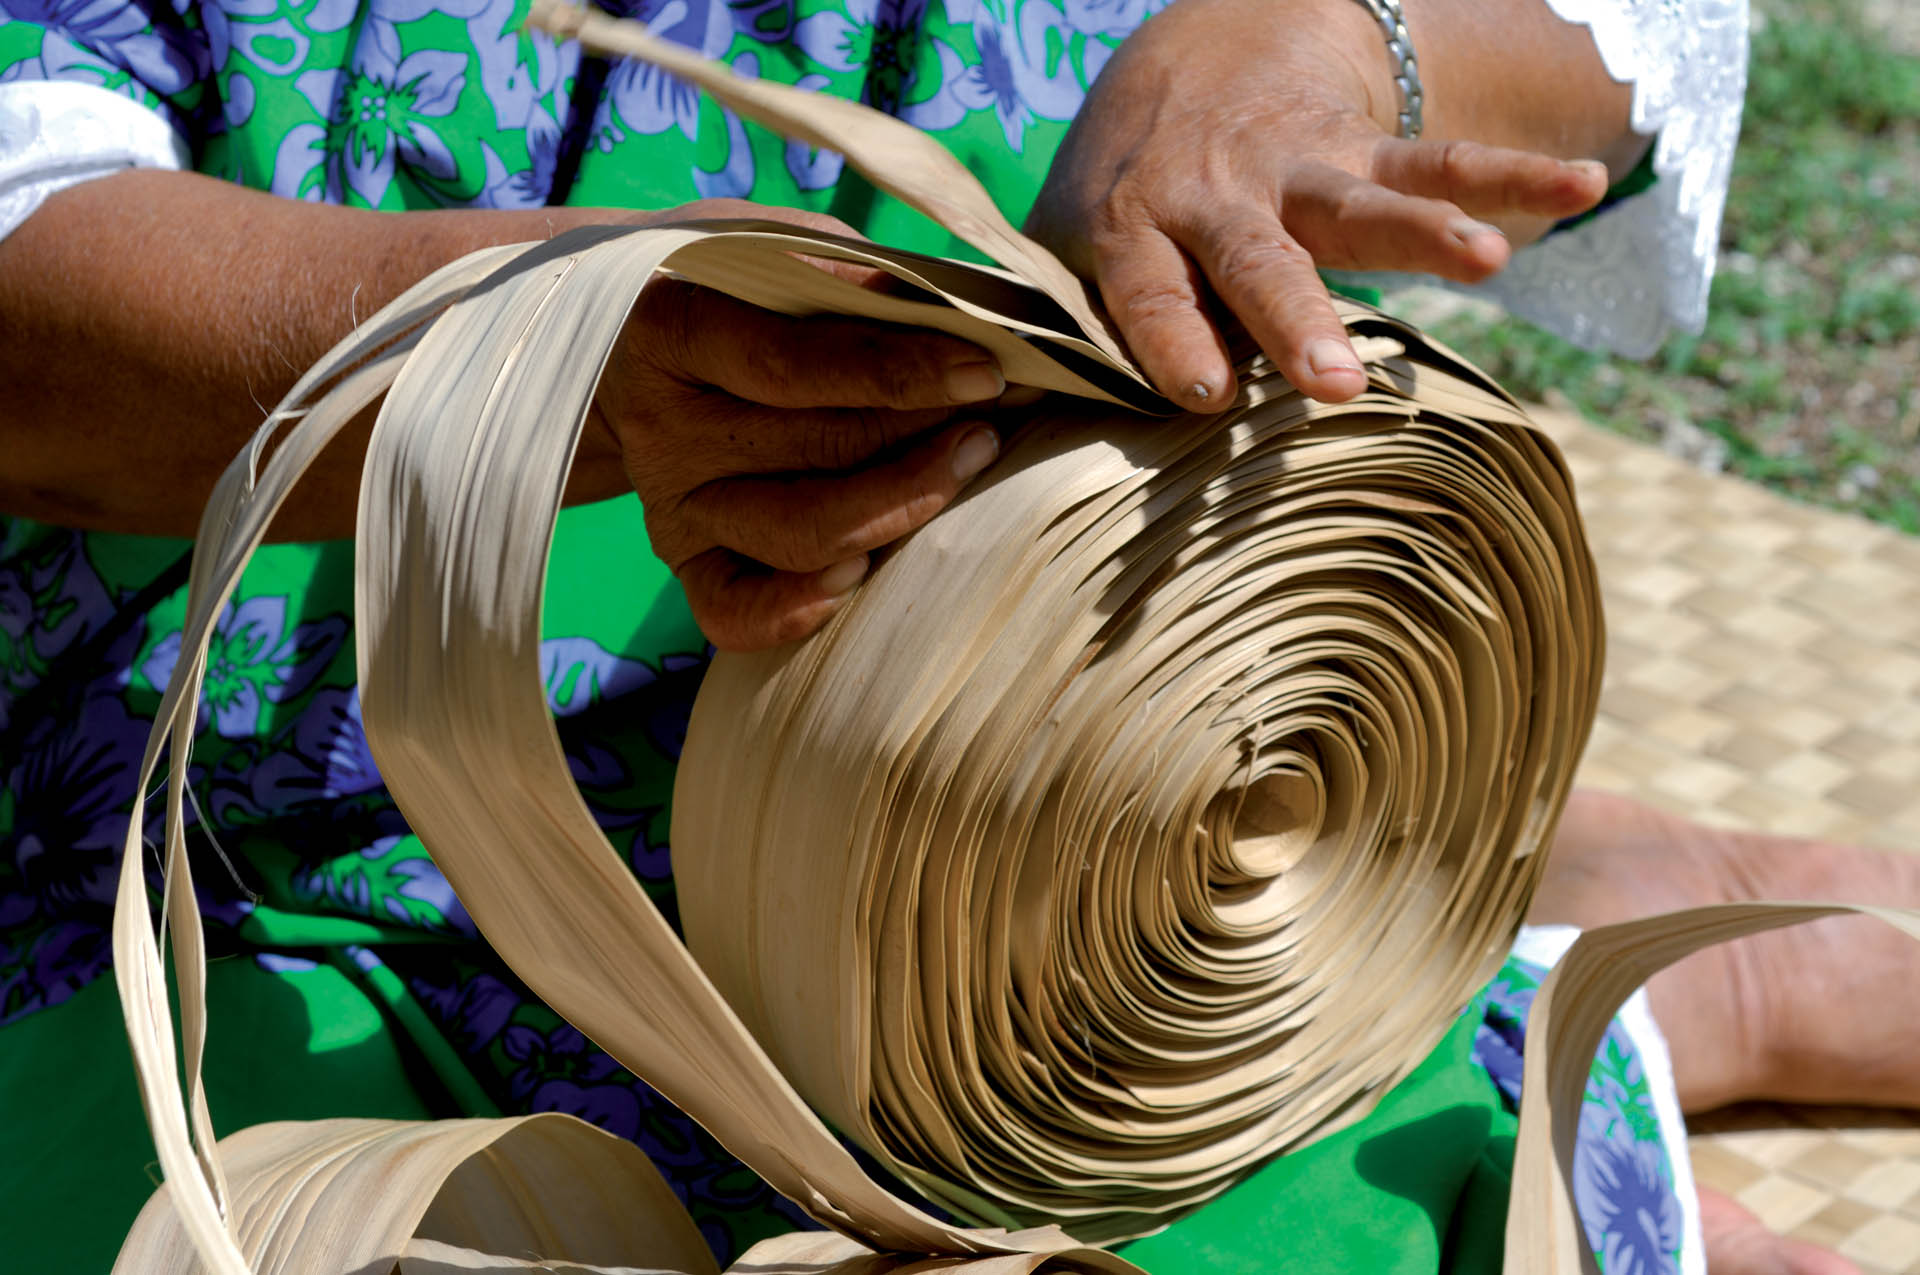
{"x":1406,"y":67}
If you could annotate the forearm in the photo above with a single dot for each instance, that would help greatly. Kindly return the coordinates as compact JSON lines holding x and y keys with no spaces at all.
{"x":154,"y":317}
{"x":1513,"y":73}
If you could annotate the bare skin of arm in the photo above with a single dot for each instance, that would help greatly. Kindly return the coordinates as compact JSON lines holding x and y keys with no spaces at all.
{"x":156,"y":316}
{"x":1229,"y":148}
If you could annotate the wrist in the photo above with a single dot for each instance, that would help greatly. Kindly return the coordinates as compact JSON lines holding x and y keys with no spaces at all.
{"x":1409,"y":92}
{"x":1513,"y":73}
{"x":1359,"y":50}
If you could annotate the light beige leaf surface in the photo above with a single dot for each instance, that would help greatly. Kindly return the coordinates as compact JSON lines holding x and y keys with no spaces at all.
{"x":1149,"y":813}
{"x":243,"y":503}
{"x":1570,"y":1014}
{"x":1195,"y":769}
{"x":430,"y":1257}
{"x":361,"y":1193}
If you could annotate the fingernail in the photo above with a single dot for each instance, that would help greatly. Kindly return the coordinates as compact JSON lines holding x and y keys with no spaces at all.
{"x":975,"y":382}
{"x":1592,"y":167}
{"x":975,"y":452}
{"x":1466,"y":230}
{"x":842,"y":576}
{"x":1328,"y":355}
{"x":1206,"y":395}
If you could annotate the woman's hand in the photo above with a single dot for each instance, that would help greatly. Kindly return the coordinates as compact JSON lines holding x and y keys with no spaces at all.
{"x":772,"y":454}
{"x":1233,"y":147}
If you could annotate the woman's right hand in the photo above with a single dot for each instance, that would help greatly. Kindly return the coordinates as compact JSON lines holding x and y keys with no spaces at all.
{"x":771,"y":454}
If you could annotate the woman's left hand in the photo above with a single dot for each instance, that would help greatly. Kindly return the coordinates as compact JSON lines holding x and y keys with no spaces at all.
{"x":1231,"y":148}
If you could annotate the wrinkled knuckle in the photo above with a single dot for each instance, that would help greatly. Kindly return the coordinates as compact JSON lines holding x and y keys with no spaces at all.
{"x":735,"y":622}
{"x":843,"y":437}
{"x":813,"y":540}
{"x":1460,"y":163}
{"x":829,"y":545}
{"x":894,"y":371}
{"x":917,"y":498}
{"x":1112,"y":222}
{"x":1249,"y":260}
{"x":667,"y":312}
{"x":1154,"y":305}
{"x":832,"y":440}
{"x":765,"y":365}
{"x":1351,"y":204}
{"x":820,"y":443}
{"x":727,"y":519}
{"x":871,"y":431}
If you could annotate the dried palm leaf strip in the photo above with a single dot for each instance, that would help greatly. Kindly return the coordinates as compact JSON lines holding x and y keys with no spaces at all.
{"x":462,"y":482}
{"x":357,"y":1195}
{"x":1149,"y":813}
{"x":1098,"y":813}
{"x":475,"y":347}
{"x":1160,"y":804}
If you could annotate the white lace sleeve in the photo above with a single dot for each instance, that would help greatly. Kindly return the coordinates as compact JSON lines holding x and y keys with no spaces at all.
{"x":58,"y":133}
{"x":1622,"y":279}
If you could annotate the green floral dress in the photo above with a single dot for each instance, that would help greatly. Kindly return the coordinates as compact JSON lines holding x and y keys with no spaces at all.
{"x":347,"y":978}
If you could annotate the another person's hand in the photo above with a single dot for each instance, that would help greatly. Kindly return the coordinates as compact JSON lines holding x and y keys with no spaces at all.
{"x":1233,"y":147}
{"x":772,"y":454}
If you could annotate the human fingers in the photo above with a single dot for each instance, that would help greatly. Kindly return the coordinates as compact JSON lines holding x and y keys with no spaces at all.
{"x":723,"y":437}
{"x":1269,"y":281}
{"x":742,"y":605}
{"x":1489,"y":181}
{"x":804,"y":522}
{"x":1154,"y":294}
{"x":704,"y":337}
{"x":1350,"y":223}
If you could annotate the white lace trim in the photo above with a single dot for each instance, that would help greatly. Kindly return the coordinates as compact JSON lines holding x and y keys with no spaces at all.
{"x":1623,"y":279}
{"x":58,"y":133}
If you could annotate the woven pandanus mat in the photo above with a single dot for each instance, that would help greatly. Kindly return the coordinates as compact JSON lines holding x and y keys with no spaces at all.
{"x":1763,"y":671}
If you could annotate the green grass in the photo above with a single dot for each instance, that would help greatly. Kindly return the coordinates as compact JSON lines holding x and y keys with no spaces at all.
{"x":1806,"y":373}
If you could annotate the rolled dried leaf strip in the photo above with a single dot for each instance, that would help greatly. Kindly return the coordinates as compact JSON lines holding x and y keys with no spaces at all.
{"x":1146,"y":815}
{"x":1160,"y":805}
